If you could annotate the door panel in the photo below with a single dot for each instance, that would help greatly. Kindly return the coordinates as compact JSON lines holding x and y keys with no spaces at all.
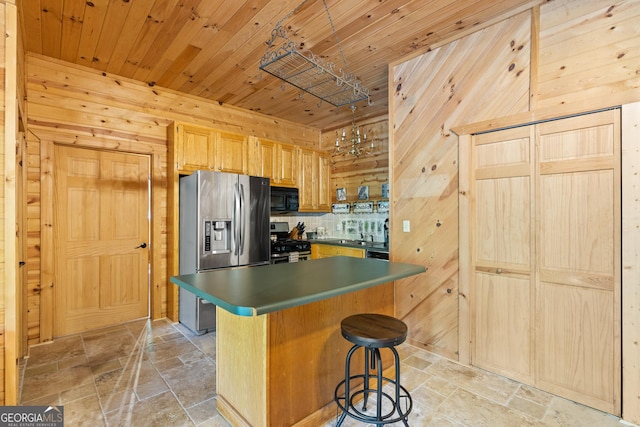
{"x":578,"y":294}
{"x":101,"y":206}
{"x":503,"y":252}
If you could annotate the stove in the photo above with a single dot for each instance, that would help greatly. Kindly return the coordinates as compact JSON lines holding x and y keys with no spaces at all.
{"x":284,"y":249}
{"x":288,"y":245}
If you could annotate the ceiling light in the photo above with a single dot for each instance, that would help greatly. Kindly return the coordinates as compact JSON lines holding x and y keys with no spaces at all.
{"x":357,"y":144}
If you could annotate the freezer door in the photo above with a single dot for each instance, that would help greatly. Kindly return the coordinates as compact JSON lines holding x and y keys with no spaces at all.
{"x":254,"y":210}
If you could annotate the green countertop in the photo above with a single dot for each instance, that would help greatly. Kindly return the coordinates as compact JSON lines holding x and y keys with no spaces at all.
{"x":252,"y":291}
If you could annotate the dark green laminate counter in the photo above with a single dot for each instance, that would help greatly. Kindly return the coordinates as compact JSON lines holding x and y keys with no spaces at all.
{"x":253,"y":291}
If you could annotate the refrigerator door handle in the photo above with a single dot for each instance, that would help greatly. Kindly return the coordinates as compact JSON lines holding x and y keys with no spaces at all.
{"x":244,"y":222}
{"x":236,"y":219}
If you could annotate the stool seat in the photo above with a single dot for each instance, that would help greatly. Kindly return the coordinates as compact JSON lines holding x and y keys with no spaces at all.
{"x":371,"y":332}
{"x":374,"y":330}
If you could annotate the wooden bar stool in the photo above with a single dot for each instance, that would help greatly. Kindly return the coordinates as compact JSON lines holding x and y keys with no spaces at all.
{"x":373,"y":332}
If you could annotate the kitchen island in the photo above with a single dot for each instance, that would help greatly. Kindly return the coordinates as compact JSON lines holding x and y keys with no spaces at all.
{"x":279,"y":352}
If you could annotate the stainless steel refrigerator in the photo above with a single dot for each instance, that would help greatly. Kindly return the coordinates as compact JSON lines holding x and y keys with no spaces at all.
{"x":224,"y":223}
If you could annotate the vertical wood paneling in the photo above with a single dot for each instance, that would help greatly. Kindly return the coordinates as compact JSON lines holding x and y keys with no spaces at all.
{"x":34,"y":287}
{"x":10,"y":131}
{"x":631,"y":262}
{"x":478,"y":77}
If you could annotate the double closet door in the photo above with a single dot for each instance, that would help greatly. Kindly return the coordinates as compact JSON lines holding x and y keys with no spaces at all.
{"x":545,"y":256}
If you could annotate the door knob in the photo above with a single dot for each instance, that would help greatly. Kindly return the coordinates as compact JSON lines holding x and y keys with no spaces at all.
{"x":142,"y":245}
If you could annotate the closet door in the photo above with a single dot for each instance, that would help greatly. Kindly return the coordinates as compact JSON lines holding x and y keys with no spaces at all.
{"x":578,"y":289}
{"x":502,"y":251}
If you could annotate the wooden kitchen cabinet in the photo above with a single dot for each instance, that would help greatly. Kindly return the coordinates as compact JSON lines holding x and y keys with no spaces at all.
{"x":315,"y":175}
{"x":288,"y":159}
{"x":232,"y":153}
{"x":194,"y":147}
{"x":325,"y":251}
{"x":274,"y":160}
{"x":199,"y":147}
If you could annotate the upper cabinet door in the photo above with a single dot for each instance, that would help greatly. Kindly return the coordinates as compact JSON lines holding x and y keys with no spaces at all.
{"x":288,"y":166}
{"x":231,"y":153}
{"x":195,"y":147}
{"x":315,"y":171}
{"x":324,"y":182}
{"x":265,"y":160}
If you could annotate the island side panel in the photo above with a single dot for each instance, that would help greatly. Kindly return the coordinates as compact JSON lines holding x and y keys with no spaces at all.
{"x":241,"y":368}
{"x":307,"y":354}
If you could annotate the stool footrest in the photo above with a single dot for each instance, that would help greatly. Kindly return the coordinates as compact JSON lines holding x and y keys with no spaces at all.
{"x":394,"y":406}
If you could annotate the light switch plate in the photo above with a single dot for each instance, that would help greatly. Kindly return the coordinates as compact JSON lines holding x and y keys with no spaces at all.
{"x":406,"y":226}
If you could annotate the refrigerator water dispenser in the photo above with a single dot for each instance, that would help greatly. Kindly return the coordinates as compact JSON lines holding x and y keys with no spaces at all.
{"x":217,"y":236}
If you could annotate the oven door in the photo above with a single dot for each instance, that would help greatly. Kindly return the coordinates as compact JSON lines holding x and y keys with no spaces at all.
{"x":279,"y":258}
{"x":290,"y":257}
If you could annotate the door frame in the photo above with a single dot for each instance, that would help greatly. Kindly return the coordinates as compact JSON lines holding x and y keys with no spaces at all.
{"x":47,"y":265}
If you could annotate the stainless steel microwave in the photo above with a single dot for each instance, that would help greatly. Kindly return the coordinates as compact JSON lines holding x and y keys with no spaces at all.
{"x":284,"y":199}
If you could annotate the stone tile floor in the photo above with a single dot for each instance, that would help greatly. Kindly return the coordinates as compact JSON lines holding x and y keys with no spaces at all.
{"x":159,"y":374}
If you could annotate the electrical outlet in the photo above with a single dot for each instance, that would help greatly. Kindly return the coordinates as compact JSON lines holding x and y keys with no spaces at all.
{"x":406,"y":226}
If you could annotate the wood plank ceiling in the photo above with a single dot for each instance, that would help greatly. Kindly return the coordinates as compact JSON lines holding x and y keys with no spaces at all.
{"x":212,"y":48}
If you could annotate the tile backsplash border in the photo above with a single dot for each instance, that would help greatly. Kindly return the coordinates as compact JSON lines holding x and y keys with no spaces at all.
{"x":340,"y":226}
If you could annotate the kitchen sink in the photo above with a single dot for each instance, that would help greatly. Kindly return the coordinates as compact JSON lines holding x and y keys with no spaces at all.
{"x":354,"y":242}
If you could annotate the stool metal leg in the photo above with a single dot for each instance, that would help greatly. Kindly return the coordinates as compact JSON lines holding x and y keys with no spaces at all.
{"x":379,"y":387}
{"x":396,"y":358}
{"x":368,"y":361}
{"x":347,"y":383}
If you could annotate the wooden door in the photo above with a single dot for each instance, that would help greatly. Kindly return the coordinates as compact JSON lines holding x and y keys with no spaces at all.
{"x":545,"y":256}
{"x":503,"y":252}
{"x":578,"y":291}
{"x":101,"y":218}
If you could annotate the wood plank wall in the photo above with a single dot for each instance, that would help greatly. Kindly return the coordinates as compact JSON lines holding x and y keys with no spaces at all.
{"x":563,"y":57}
{"x":3,"y":247}
{"x":75,"y":105}
{"x":12,"y":91}
{"x":469,"y":79}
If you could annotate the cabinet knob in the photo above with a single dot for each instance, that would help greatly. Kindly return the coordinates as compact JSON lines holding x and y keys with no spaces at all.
{"x":499,"y":271}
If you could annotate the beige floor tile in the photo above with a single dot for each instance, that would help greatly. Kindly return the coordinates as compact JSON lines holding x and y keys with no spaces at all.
{"x":493,"y":387}
{"x":160,"y":373}
{"x":84,"y":412}
{"x":60,"y":349}
{"x":166,"y":350}
{"x":161,"y":410}
{"x":203,"y":412}
{"x":55,"y":382}
{"x":566,"y":413}
{"x":192,"y":384}
{"x":77,"y":393}
{"x":469,"y":409}
{"x":527,"y":407}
